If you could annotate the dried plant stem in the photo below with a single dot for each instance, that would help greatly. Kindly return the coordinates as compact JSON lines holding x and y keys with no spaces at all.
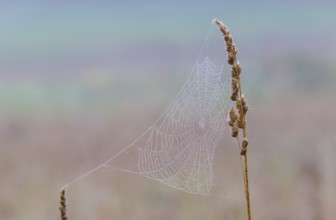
{"x":63,"y":207}
{"x":246,"y":184}
{"x":236,"y":117}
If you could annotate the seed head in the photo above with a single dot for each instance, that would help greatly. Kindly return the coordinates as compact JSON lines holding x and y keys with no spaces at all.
{"x":63,"y":206}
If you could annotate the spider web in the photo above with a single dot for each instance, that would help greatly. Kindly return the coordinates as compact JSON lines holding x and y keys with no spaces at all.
{"x":178,"y":149}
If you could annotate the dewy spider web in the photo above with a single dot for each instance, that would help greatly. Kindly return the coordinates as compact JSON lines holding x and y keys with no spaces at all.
{"x":178,"y":149}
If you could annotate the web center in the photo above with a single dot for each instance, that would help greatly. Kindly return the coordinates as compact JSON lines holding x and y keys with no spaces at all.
{"x":201,"y":123}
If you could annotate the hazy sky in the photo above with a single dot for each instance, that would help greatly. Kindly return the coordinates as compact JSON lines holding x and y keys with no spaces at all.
{"x":36,"y":34}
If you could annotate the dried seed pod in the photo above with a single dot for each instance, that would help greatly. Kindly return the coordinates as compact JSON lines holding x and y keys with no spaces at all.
{"x":229,"y":45}
{"x":234,"y":96}
{"x":231,"y":59}
{"x":234,"y":85}
{"x":229,"y":41}
{"x":244,"y":104}
{"x":234,"y":89}
{"x":244,"y":147}
{"x":234,"y":74}
{"x":227,"y":37}
{"x":231,"y":123}
{"x":236,"y":68}
{"x":235,"y":50}
{"x":234,"y":131}
{"x":245,"y":109}
{"x":63,"y":206}
{"x":232,"y":115}
{"x":244,"y":143}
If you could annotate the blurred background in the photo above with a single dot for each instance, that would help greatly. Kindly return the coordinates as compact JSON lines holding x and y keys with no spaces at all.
{"x":81,"y":80}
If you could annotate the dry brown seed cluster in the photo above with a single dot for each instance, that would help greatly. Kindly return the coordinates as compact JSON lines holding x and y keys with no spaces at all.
{"x":244,"y":147}
{"x":234,"y":89}
{"x":63,"y":208}
{"x":235,"y":121}
{"x":232,"y":121}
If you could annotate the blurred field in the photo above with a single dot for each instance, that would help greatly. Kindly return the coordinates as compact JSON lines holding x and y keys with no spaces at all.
{"x":70,"y":102}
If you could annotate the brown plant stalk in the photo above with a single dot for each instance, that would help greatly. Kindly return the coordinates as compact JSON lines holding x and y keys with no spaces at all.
{"x":236,"y":116}
{"x":63,"y":207}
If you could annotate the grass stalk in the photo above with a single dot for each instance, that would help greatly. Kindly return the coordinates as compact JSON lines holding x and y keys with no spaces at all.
{"x":236,"y":115}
